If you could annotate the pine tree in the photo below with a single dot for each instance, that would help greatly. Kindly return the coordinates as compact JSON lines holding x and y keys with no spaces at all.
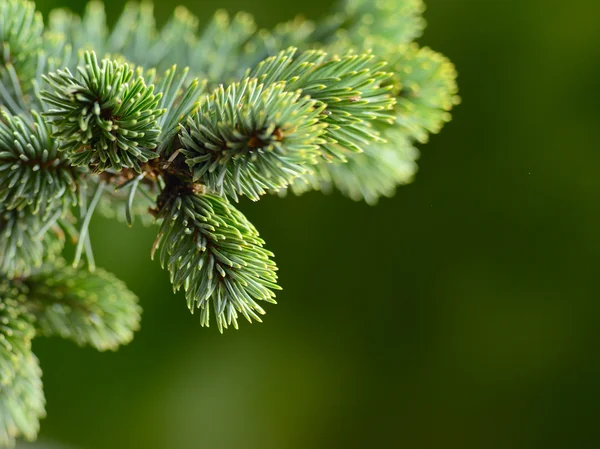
{"x":172,"y":126}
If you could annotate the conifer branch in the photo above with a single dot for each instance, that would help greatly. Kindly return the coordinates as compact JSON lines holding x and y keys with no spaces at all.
{"x":368,"y":176}
{"x":397,"y":21}
{"x":33,"y":171}
{"x":22,"y":401}
{"x":168,"y":125}
{"x":217,"y":52}
{"x":16,"y":330}
{"x":426,"y":91}
{"x":21,"y":30}
{"x":216,"y":254}
{"x":349,"y":87}
{"x":91,"y":309}
{"x":22,"y":247}
{"x":106,"y":117}
{"x":249,"y":139}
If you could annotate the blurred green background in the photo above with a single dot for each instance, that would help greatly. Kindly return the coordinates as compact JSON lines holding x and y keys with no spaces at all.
{"x":463,"y":313}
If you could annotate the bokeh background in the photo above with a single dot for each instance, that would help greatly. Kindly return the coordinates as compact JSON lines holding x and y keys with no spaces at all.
{"x":463,"y":313}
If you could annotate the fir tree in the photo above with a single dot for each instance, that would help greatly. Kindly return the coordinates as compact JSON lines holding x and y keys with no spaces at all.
{"x":172,"y":126}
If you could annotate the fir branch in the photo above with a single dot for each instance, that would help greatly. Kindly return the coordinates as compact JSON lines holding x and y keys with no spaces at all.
{"x":368,"y":176}
{"x":240,"y":144}
{"x":32,"y":170}
{"x":217,"y":53}
{"x":217,"y":256}
{"x":83,"y":33}
{"x":424,"y":85}
{"x":176,"y":40}
{"x":106,"y":117}
{"x":16,"y":330}
{"x":248,"y":139}
{"x":91,"y":309}
{"x":180,"y":99}
{"x":22,"y":402}
{"x":21,"y":397}
{"x":427,"y":91}
{"x":21,"y":30}
{"x":23,"y":245}
{"x":344,"y":111}
{"x":297,"y":32}
{"x":350,"y":87}
{"x":115,"y":204}
{"x":397,"y":21}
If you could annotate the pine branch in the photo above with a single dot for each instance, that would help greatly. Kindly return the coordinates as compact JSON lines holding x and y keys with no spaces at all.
{"x":424,"y":86}
{"x":32,"y":170}
{"x":16,"y":330}
{"x":298,"y":32}
{"x":135,"y":134}
{"x":179,"y":98}
{"x":350,"y":87}
{"x":22,"y":401}
{"x":423,"y":83}
{"x":27,"y":240}
{"x":255,"y":136}
{"x":119,"y":205}
{"x":21,"y":30}
{"x":94,"y":309}
{"x":397,"y":21}
{"x":106,"y":117}
{"x":248,"y":139}
{"x":427,"y":91}
{"x":368,"y":176}
{"x":216,"y":254}
{"x":218,"y":52}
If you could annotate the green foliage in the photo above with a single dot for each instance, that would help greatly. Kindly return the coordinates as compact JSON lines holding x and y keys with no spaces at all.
{"x":22,"y":401}
{"x":424,"y":88}
{"x":127,"y":204}
{"x":214,"y":252}
{"x":348,"y":87}
{"x":215,"y":55}
{"x":20,"y":36}
{"x":368,"y":176}
{"x":94,"y":309}
{"x":27,"y":240}
{"x":106,"y":117}
{"x":34,"y":173}
{"x":180,"y":99}
{"x":89,"y":308}
{"x":298,"y":32}
{"x":169,"y":125}
{"x":397,"y":21}
{"x":249,"y":138}
{"x":426,"y":91}
{"x":16,"y":330}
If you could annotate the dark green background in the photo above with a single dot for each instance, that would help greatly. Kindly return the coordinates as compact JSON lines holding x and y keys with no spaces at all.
{"x":463,"y":313}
